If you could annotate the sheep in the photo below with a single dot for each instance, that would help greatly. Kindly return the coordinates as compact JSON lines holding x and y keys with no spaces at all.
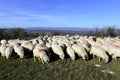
{"x":3,"y":47}
{"x":114,"y":51}
{"x":3,"y":42}
{"x":2,"y":50}
{"x":13,"y":42}
{"x":111,"y":49}
{"x":57,"y":49}
{"x":28,"y":45}
{"x":102,"y":44}
{"x":99,"y":52}
{"x":70,"y":52}
{"x":40,"y":51}
{"x":40,"y":41}
{"x":34,"y":41}
{"x":44,"y":47}
{"x":19,"y":50}
{"x":80,"y":50}
{"x":41,"y":46}
{"x":28,"y":48}
{"x":41,"y":54}
{"x":116,"y":54}
{"x":85,"y":44}
{"x":48,"y":44}
{"x":8,"y":51}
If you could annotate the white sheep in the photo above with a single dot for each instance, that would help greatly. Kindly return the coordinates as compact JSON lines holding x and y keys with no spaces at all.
{"x":111,"y":49}
{"x":40,"y":41}
{"x":41,"y":46}
{"x":8,"y":51}
{"x":34,"y":41}
{"x":19,"y":50}
{"x":2,"y":50}
{"x":99,"y":52}
{"x":13,"y":42}
{"x":57,"y":49}
{"x":28,"y":45}
{"x":35,"y":53}
{"x":3,"y":42}
{"x":48,"y":44}
{"x":70,"y":52}
{"x":41,"y":55}
{"x":104,"y":45}
{"x":85,"y":45}
{"x":44,"y":47}
{"x":80,"y":50}
{"x":114,"y":51}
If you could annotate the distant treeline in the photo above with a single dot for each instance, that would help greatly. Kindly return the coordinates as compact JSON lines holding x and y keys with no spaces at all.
{"x":21,"y":33}
{"x":13,"y":33}
{"x":110,"y":31}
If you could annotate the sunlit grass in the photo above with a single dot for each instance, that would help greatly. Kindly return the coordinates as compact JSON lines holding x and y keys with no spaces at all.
{"x":27,"y":69}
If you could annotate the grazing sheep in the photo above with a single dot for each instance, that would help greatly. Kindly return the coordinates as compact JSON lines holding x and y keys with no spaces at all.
{"x":57,"y":49}
{"x":114,"y":51}
{"x":35,"y":53}
{"x":44,"y":47}
{"x":99,"y":52}
{"x":28,"y":45}
{"x":28,"y":48}
{"x":80,"y":51}
{"x":70,"y":52}
{"x":12,"y":42}
{"x":8,"y":51}
{"x":85,"y":45}
{"x":19,"y":50}
{"x":116,"y":54}
{"x":104,"y":45}
{"x":48,"y":44}
{"x":41,"y":54}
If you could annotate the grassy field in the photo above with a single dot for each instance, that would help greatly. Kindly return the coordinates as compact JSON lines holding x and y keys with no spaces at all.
{"x":27,"y":69}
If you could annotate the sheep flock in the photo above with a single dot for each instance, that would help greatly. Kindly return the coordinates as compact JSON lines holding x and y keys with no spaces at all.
{"x":43,"y":48}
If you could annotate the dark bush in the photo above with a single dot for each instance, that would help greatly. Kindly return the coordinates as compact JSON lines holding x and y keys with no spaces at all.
{"x":54,"y":33}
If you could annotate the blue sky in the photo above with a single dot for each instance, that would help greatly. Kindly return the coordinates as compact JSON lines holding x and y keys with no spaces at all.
{"x":59,"y":13}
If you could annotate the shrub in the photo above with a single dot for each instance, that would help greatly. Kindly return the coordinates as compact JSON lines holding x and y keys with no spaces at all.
{"x":55,"y":33}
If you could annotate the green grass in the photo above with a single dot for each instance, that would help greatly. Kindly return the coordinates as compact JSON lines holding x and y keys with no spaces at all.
{"x":27,"y":69}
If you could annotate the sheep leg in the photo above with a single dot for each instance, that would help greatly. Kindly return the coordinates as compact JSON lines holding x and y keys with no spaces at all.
{"x":93,"y":56}
{"x":21,"y":56}
{"x":99,"y":59}
{"x":106,"y":61}
{"x":34,"y":58}
{"x":39,"y":58}
{"x":7,"y":57}
{"x":83,"y":58}
{"x":42,"y":61}
{"x":114,"y":57}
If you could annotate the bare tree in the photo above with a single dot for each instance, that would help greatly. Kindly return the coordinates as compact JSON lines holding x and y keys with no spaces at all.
{"x":111,"y":31}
